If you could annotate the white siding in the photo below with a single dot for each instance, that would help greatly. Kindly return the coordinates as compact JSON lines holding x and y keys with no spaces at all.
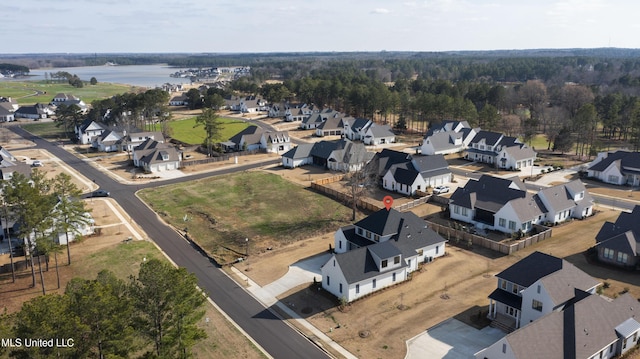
{"x":528,"y":314}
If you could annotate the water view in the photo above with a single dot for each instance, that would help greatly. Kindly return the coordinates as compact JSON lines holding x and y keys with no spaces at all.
{"x":135,"y":75}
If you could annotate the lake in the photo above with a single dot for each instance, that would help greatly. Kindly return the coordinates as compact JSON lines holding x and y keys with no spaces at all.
{"x":135,"y":75}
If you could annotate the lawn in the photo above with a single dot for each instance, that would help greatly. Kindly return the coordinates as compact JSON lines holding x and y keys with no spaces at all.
{"x":31,"y":92}
{"x":221,"y":212}
{"x":184,"y":130}
{"x":47,"y":130}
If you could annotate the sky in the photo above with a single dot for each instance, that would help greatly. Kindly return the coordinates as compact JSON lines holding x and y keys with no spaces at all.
{"x":240,"y":26}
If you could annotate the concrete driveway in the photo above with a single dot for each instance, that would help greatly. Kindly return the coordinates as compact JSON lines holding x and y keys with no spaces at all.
{"x":451,"y":339}
{"x":300,"y":272}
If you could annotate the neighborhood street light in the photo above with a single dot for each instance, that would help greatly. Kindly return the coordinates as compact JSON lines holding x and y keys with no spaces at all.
{"x":246,"y":240}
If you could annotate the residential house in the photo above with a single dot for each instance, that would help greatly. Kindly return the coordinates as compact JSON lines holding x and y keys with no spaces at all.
{"x":355,"y":128}
{"x":10,"y":103}
{"x":379,"y":135}
{"x":417,"y":174}
{"x":619,"y":243}
{"x":332,"y":126}
{"x":298,"y":114}
{"x":109,"y":140}
{"x":68,"y":100}
{"x":255,"y":138}
{"x":505,"y":205}
{"x":500,"y":151}
{"x":377,"y":252}
{"x":565,"y":201}
{"x":289,"y":111}
{"x":153,"y":156}
{"x":620,"y":168}
{"x":10,"y":165}
{"x":6,"y":112}
{"x":533,"y":287}
{"x":252,"y":104}
{"x":569,"y":322}
{"x":80,"y":230}
{"x":384,"y":160}
{"x":135,"y":137}
{"x":63,"y":97}
{"x":447,"y":137}
{"x":34,"y":112}
{"x":180,"y":100}
{"x":317,"y":118}
{"x":341,"y":155}
{"x":88,"y":130}
{"x":278,"y":110}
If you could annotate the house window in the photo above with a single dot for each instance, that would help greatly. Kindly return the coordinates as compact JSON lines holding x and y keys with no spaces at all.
{"x":502,"y":222}
{"x":608,"y":253}
{"x":393,"y":277}
{"x":359,"y":230}
{"x":420,"y":252}
{"x":396,"y":259}
{"x":357,"y":288}
{"x":622,"y":257}
{"x":376,"y":238}
{"x":373,"y":284}
{"x":613,"y":179}
{"x":340,"y":286}
{"x":512,"y":225}
{"x":504,"y":348}
{"x":464,"y":211}
{"x":328,"y":280}
{"x":538,"y":288}
{"x":384,"y":263}
{"x":456,"y":209}
{"x":437,"y":249}
{"x":334,"y":262}
{"x":537,"y":305}
{"x":514,"y":289}
{"x":503,"y":284}
{"x":340,"y":244}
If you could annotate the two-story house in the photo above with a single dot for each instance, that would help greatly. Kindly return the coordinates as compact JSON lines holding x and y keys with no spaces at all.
{"x":505,"y":205}
{"x":447,"y":137}
{"x":499,"y":151}
{"x":620,"y":168}
{"x":533,"y":287}
{"x":377,"y":252}
{"x":417,"y":173}
{"x":88,"y":130}
{"x":341,"y":155}
{"x":619,"y":243}
{"x":255,"y":138}
{"x":153,"y":156}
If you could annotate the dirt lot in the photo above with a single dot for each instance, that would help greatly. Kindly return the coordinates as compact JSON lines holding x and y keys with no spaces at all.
{"x":11,"y":140}
{"x":459,"y":282}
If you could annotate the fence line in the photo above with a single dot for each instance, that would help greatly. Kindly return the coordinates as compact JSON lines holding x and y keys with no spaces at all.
{"x":456,"y":236}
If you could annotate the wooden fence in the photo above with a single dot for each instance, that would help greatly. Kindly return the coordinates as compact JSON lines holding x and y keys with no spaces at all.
{"x":459,"y":237}
{"x":342,"y":197}
{"x":225,"y":157}
{"x":407,"y":206}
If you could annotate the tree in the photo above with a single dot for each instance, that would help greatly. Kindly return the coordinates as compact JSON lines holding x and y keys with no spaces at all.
{"x":68,"y":117}
{"x":564,"y":141}
{"x":194,"y":98}
{"x":212,"y":127}
{"x":45,"y":317}
{"x":488,"y":117}
{"x":168,"y":305}
{"x":103,"y":309}
{"x":70,"y":213}
{"x":93,"y":81}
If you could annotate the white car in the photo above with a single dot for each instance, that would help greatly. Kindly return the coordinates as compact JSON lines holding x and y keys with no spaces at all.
{"x":36,"y":163}
{"x":441,"y":189}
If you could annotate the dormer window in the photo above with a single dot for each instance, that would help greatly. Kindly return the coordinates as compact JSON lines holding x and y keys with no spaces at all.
{"x":384,"y":263}
{"x":396,"y":260}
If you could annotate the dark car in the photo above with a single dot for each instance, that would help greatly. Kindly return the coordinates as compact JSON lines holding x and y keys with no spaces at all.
{"x":100,"y":193}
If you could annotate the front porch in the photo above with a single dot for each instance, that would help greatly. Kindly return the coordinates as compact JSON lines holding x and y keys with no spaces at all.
{"x":503,"y":322}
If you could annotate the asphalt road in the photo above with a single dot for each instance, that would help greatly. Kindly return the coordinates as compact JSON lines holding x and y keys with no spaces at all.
{"x":274,"y":335}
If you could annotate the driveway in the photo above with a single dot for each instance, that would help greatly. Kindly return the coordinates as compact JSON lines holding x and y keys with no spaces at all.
{"x":451,"y":339}
{"x":301,"y":272}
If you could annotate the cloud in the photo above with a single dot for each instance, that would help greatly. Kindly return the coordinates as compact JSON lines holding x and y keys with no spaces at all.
{"x":380,"y":11}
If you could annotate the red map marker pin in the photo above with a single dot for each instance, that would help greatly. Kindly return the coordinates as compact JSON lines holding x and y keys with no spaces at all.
{"x":388,"y":202}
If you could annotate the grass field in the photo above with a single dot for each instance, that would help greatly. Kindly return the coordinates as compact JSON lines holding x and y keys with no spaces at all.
{"x":31,"y":92}
{"x":221,"y":212}
{"x":47,"y":130}
{"x":184,"y":130}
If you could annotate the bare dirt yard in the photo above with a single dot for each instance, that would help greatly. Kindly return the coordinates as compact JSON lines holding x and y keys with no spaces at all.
{"x":455,"y":285}
{"x":11,"y":140}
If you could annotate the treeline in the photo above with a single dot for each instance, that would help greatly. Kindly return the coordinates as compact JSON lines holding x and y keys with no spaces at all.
{"x":153,"y":315}
{"x":13,"y":69}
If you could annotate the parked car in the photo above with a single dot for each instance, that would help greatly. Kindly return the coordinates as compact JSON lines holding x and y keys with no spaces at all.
{"x":37,"y":163}
{"x":100,"y":193}
{"x":441,"y":189}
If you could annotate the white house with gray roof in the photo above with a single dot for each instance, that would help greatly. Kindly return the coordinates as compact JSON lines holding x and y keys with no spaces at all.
{"x":505,"y":205}
{"x":533,"y":287}
{"x":619,"y":168}
{"x":341,"y":155}
{"x":567,"y":318}
{"x":447,"y":137}
{"x":378,"y":135}
{"x":377,"y":252}
{"x":500,"y":151}
{"x":153,"y":156}
{"x":417,"y":174}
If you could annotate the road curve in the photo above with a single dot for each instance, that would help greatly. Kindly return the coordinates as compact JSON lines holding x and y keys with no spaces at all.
{"x":274,"y":335}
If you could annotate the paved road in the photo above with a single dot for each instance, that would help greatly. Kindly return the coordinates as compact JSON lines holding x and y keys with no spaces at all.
{"x":274,"y":335}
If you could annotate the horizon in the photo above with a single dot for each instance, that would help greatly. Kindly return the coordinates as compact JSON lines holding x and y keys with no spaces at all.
{"x":289,"y":26}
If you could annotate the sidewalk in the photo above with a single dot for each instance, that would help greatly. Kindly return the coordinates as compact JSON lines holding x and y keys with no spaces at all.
{"x":267,"y":297}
